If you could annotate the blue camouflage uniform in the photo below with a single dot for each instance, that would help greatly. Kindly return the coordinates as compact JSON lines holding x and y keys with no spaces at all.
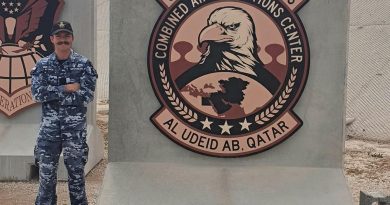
{"x":63,"y":123}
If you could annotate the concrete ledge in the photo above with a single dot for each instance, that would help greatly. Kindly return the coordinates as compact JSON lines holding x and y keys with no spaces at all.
{"x":171,"y":184}
{"x":17,"y":152}
{"x":371,"y":197}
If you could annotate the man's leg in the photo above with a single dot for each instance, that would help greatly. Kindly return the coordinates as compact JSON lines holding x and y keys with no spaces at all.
{"x":48,"y":153}
{"x":75,"y":158}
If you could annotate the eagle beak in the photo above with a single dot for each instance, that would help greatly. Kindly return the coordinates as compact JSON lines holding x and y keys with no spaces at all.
{"x":215,"y":33}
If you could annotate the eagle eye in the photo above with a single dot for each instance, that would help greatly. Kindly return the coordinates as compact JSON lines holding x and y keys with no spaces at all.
{"x":233,"y":26}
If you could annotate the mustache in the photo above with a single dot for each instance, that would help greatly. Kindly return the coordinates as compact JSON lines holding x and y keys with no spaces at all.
{"x":63,"y":42}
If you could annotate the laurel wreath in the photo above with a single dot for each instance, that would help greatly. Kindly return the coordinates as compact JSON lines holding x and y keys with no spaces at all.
{"x":179,"y":106}
{"x":271,"y":111}
{"x":261,"y":118}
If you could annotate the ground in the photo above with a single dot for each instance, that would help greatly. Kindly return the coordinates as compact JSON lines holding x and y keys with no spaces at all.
{"x":367,"y":168}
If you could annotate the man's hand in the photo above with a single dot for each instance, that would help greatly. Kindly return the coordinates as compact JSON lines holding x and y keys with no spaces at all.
{"x":70,"y":88}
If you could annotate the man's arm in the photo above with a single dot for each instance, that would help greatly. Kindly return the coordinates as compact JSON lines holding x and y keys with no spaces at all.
{"x":85,"y":94}
{"x":41,"y":90}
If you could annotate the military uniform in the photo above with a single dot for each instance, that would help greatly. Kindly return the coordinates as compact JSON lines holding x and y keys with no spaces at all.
{"x":63,"y":123}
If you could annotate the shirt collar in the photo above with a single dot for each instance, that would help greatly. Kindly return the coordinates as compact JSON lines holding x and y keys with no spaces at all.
{"x":72,"y":56}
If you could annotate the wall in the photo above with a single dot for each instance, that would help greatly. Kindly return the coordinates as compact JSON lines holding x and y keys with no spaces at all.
{"x":133,"y":138}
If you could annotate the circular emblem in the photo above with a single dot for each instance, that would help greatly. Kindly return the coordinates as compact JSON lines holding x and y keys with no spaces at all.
{"x":24,"y":39}
{"x":228,"y":74}
{"x":15,"y":59}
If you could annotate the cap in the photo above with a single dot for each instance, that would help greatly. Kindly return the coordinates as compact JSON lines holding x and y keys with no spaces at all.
{"x":62,"y":26}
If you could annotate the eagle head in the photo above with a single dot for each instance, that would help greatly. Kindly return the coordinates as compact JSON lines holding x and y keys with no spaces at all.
{"x":230,"y":34}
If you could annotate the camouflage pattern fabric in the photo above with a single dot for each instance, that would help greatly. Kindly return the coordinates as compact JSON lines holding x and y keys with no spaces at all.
{"x":63,"y":123}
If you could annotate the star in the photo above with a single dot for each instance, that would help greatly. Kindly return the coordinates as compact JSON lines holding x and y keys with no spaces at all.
{"x":3,"y":3}
{"x":245,"y":125}
{"x":206,"y":123}
{"x":225,"y":128}
{"x":11,"y":3}
{"x":5,"y":9}
{"x":18,"y":4}
{"x":16,"y":9}
{"x":11,"y":12}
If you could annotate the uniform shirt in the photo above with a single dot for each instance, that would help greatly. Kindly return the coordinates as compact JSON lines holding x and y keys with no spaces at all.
{"x":63,"y":112}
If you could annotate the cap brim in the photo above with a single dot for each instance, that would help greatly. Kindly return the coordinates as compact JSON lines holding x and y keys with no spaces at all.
{"x":62,"y":30}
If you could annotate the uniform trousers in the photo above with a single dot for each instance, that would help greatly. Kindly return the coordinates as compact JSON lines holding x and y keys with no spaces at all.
{"x":47,"y":153}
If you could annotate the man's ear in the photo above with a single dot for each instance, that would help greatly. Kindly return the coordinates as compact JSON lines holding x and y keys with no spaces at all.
{"x":52,"y":39}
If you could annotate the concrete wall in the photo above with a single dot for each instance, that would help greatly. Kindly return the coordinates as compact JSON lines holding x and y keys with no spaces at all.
{"x":368,"y":60}
{"x":145,"y":167}
{"x":368,"y":69}
{"x":103,"y":34}
{"x":133,"y":138}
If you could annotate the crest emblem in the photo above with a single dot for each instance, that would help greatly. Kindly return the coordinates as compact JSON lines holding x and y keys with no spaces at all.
{"x":61,"y":25}
{"x":24,"y":39}
{"x":228,"y":73}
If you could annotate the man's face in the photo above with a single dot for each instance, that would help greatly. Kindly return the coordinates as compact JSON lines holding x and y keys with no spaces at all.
{"x":62,"y":41}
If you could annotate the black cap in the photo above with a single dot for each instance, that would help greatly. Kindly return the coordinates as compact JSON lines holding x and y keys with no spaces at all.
{"x":62,"y":26}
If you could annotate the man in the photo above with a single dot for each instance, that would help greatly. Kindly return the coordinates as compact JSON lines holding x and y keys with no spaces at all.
{"x":65,"y":83}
